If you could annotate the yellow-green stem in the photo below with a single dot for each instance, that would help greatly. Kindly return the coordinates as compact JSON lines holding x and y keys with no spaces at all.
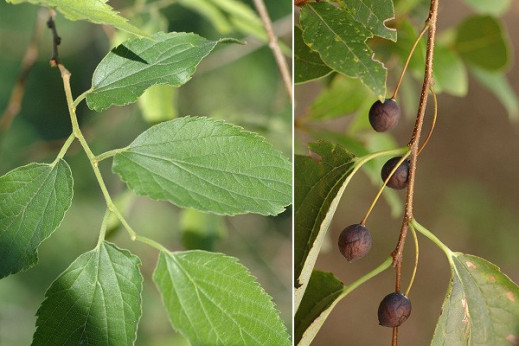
{"x":109,"y":154}
{"x":409,"y":59}
{"x":417,"y":254}
{"x":151,"y":242}
{"x":104,"y":225}
{"x":383,"y":266}
{"x":64,"y":148}
{"x":65,"y":75}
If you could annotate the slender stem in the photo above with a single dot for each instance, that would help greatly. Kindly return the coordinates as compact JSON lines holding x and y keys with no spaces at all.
{"x":415,"y":138}
{"x":363,"y":159}
{"x":432,"y":237}
{"x":417,"y":254}
{"x":81,"y":97}
{"x":383,"y":266}
{"x":109,"y":153}
{"x":363,"y":222}
{"x":151,"y":242}
{"x":433,"y":124}
{"x":64,"y":148}
{"x":104,"y":226}
{"x":409,"y":59}
{"x":65,"y":75}
{"x":413,"y":144}
{"x":274,"y":46}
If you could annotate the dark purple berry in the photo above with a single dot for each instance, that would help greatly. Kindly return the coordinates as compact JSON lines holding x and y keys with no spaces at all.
{"x":393,"y":310}
{"x":399,"y":179}
{"x":355,"y":242}
{"x":384,"y":116}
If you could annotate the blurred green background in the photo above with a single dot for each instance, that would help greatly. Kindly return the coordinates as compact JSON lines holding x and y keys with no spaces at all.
{"x":238,"y":83}
{"x":467,"y":193}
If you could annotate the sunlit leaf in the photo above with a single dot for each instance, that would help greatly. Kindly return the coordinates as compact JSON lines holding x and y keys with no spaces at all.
{"x":132,"y":67}
{"x":341,"y":42}
{"x":213,"y":300}
{"x":207,"y":165}
{"x":481,"y":306}
{"x":95,"y":11}
{"x":95,"y":301}
{"x":33,"y":202}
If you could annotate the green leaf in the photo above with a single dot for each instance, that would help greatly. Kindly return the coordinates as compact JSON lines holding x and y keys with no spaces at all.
{"x":481,"y":41}
{"x":201,"y":230}
{"x":157,"y":103}
{"x":321,"y":295}
{"x":374,"y":14}
{"x":213,"y":300}
{"x":318,"y":187}
{"x":228,"y":15}
{"x":33,"y":202}
{"x":341,"y":42}
{"x":495,"y":7}
{"x":497,"y":83}
{"x":211,"y":12}
{"x":132,"y":67}
{"x":207,"y":165}
{"x":481,"y":306}
{"x":95,"y":301}
{"x":343,"y":96}
{"x":307,"y":63}
{"x":450,"y":74}
{"x":242,"y":17}
{"x":95,"y":11}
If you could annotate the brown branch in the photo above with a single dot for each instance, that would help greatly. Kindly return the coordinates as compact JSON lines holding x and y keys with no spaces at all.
{"x":274,"y":46}
{"x":56,"y":40}
{"x":31,"y":54}
{"x":414,"y":146}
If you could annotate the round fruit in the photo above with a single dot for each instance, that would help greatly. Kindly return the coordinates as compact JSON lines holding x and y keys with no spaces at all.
{"x":399,"y":179}
{"x":384,"y":116}
{"x":393,"y":310}
{"x":355,"y":242}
